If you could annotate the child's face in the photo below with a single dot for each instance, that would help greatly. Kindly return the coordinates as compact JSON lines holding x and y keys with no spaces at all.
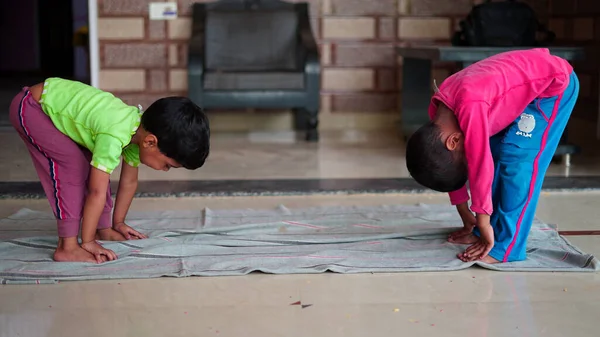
{"x":151,"y":156}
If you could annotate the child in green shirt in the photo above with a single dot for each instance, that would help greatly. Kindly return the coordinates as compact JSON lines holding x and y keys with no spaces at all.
{"x":77,"y":134}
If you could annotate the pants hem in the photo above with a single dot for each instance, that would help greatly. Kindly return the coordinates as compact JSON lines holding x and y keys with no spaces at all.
{"x":68,"y":228}
{"x":496,"y":254}
{"x":105,"y":220}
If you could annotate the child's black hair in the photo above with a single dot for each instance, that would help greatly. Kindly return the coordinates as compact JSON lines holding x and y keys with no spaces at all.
{"x":431,"y":164}
{"x":182,"y":130}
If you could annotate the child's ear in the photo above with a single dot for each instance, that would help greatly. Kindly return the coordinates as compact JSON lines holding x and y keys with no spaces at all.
{"x":454,"y":141}
{"x":150,"y":141}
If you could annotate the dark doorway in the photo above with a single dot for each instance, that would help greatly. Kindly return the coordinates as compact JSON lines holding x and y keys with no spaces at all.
{"x":37,"y":38}
{"x":37,"y":41}
{"x":55,"y":20}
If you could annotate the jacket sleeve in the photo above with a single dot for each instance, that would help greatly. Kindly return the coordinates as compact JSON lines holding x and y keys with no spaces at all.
{"x":473,"y":121}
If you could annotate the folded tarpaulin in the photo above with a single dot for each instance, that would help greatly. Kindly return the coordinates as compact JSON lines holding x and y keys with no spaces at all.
{"x":208,"y":242}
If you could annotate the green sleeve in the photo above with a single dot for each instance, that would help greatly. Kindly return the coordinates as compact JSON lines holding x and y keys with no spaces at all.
{"x":131,"y":155}
{"x":107,"y":152}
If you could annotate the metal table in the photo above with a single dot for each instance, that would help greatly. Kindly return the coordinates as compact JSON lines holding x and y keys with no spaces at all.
{"x":417,"y":86}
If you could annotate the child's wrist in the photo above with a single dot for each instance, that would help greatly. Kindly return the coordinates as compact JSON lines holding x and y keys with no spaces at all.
{"x":483,"y":220}
{"x":463,"y":210}
{"x":84,"y":241}
{"x":115,"y":223}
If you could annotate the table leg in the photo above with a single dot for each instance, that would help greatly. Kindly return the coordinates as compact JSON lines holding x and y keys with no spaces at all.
{"x":565,"y":150}
{"x":416,"y":94}
{"x":567,"y":159}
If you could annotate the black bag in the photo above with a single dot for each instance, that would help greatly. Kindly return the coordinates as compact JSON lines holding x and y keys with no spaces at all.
{"x":502,"y":24}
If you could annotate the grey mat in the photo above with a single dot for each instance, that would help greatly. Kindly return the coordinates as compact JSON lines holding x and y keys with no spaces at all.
{"x":280,"y":241}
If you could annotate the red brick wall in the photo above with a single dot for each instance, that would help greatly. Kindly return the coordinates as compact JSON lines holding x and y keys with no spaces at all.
{"x":140,"y":60}
{"x":361,"y":71}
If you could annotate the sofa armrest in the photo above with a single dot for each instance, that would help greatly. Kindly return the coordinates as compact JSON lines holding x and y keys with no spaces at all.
{"x":196,"y":48}
{"x":196,"y":45}
{"x":310,"y":51}
{"x":308,"y":44}
{"x":196,"y":62}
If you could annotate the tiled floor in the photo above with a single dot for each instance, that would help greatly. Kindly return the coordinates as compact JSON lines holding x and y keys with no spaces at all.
{"x":349,"y":154}
{"x":473,"y":302}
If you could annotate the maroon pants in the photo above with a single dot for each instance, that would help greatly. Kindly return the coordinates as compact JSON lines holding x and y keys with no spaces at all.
{"x":62,"y":166}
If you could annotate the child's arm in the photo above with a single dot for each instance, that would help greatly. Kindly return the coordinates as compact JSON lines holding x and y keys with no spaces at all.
{"x":467,"y":216}
{"x":482,"y":248}
{"x":473,"y":121}
{"x":94,"y":205}
{"x":128,"y":183}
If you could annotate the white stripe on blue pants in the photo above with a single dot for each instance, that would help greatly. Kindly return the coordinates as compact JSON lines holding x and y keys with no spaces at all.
{"x":522,"y":154}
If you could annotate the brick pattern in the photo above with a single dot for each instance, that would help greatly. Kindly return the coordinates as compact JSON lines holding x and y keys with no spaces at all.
{"x":362,"y":72}
{"x":576,"y":23}
{"x":441,"y":8}
{"x":361,"y":7}
{"x":142,"y":60}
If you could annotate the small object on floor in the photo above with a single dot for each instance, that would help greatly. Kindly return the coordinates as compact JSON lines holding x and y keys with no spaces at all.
{"x":396,"y":310}
{"x":296,"y":303}
{"x":304,"y":306}
{"x":565,"y":290}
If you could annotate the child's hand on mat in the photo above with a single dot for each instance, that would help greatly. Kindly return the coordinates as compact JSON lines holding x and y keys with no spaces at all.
{"x":100,"y":253}
{"x":128,"y":232}
{"x":480,"y":249}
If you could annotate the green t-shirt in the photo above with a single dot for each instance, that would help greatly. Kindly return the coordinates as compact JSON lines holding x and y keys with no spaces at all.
{"x":94,"y":119}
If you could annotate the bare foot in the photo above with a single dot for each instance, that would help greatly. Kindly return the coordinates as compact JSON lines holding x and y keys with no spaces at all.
{"x":68,"y":250}
{"x":468,"y":239}
{"x":460,"y":233}
{"x":109,"y":234}
{"x":489,"y":260}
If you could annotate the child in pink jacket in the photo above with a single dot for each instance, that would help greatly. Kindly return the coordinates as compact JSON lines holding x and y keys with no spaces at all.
{"x":495,"y":124}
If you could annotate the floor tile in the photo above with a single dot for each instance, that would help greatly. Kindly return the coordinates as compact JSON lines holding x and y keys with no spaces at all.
{"x":339,"y":155}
